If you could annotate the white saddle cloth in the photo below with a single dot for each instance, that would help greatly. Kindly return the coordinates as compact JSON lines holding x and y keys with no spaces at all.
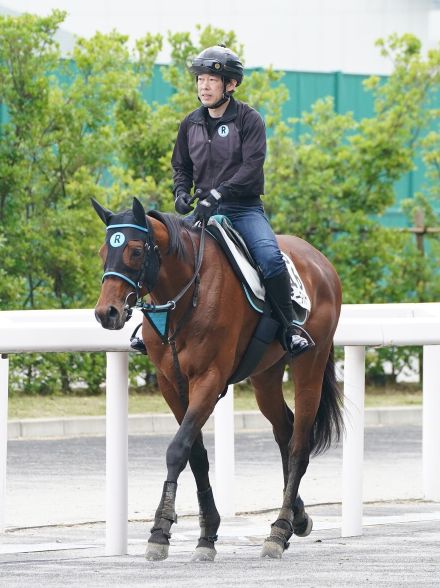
{"x":298,"y":294}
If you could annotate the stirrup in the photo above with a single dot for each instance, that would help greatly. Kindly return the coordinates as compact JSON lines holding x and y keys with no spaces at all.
{"x":296,"y":343}
{"x":136,"y":343}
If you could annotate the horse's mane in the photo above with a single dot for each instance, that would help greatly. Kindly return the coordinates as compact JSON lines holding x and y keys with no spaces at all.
{"x":174,"y":225}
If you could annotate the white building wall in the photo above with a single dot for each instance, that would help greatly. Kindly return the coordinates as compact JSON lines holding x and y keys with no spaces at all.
{"x":313,"y":35}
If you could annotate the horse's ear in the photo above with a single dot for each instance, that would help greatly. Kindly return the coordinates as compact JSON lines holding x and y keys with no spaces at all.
{"x":139,"y":213}
{"x":103,"y":213}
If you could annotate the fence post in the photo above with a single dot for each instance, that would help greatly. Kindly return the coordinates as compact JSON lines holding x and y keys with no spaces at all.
{"x":224,"y":454}
{"x":117,"y":454}
{"x":353,"y":444}
{"x":4,"y":385}
{"x":431,"y":422}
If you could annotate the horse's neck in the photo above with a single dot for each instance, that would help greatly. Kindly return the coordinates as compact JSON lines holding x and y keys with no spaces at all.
{"x":174,"y":273}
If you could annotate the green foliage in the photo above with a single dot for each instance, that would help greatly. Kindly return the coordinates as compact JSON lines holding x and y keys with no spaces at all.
{"x":58,"y":144}
{"x":333,"y":183}
{"x":57,"y":373}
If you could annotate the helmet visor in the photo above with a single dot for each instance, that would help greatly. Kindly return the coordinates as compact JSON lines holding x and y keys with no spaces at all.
{"x":211,"y":64}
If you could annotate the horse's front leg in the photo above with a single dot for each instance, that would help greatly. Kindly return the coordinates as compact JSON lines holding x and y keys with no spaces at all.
{"x":201,"y":405}
{"x":209,"y":518}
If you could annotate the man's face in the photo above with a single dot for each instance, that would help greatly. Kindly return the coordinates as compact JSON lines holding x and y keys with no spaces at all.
{"x":210,"y":88}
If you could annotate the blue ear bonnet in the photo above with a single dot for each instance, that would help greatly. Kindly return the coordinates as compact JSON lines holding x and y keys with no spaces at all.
{"x":122,"y":228}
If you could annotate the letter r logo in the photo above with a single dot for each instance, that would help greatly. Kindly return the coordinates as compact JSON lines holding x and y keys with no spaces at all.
{"x":117,"y":239}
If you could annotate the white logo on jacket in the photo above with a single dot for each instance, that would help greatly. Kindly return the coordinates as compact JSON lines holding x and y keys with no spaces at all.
{"x":223,"y":130}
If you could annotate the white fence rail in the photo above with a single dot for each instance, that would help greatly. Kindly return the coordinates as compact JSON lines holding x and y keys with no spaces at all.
{"x":360,"y":326}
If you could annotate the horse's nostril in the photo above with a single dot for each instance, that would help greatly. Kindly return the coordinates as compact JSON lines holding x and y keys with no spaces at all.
{"x":112,"y":313}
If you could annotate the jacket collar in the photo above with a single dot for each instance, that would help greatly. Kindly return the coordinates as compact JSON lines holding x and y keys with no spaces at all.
{"x":199,"y":115}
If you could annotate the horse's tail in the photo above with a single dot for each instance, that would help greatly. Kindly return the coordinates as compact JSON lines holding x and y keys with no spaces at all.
{"x":328,"y":425}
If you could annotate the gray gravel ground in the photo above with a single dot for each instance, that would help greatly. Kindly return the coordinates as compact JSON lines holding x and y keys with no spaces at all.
{"x":61,"y":483}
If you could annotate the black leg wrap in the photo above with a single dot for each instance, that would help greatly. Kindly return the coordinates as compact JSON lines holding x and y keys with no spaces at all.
{"x":209,"y":519}
{"x":282,"y":529}
{"x":165,"y":515}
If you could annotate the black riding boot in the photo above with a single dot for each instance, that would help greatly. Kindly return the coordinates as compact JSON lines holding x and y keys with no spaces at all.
{"x":278,"y":291}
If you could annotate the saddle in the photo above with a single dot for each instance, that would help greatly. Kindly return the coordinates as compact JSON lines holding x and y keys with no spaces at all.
{"x":247,"y":271}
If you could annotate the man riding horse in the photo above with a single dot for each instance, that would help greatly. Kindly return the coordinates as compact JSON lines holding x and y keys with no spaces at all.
{"x":220,"y":151}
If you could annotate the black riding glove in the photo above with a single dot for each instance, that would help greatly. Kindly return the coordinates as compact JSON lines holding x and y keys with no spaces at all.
{"x":181,"y":203}
{"x":208,"y":206}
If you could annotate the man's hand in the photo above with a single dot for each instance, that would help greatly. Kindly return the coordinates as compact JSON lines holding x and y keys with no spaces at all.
{"x":208,"y":206}
{"x":181,"y":204}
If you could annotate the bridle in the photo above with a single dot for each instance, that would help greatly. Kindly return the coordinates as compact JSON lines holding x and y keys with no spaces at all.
{"x":146,"y":278}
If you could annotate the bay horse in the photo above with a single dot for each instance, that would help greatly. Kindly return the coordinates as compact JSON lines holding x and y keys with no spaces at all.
{"x":210,"y":324}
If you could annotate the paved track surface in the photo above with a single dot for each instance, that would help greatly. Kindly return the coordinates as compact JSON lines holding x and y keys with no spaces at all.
{"x":390,"y":553}
{"x":61,"y":483}
{"x":63,"y":480}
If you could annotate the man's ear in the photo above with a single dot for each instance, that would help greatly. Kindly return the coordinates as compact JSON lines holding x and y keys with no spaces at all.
{"x":231,"y":85}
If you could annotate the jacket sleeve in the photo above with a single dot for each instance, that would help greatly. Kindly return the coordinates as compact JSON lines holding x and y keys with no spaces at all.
{"x":253,"y":154}
{"x":181,"y":161}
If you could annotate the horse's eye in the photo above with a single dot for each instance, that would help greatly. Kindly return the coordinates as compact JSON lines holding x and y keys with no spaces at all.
{"x":137,"y":252}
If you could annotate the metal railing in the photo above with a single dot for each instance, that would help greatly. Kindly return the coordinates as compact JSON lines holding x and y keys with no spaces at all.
{"x":359,"y":326}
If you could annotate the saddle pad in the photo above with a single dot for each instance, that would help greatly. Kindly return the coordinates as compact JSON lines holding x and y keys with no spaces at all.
{"x":229,"y":238}
{"x":299,"y":294}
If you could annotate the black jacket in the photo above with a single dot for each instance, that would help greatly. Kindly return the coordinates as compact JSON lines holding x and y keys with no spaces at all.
{"x":231,"y":161}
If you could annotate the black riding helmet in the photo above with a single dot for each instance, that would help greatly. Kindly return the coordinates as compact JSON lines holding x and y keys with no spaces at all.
{"x":221,"y":61}
{"x":218,"y":60}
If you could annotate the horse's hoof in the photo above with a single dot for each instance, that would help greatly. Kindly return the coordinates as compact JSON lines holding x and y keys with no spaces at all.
{"x":204,"y":554}
{"x":156,"y":552}
{"x":272,"y":549}
{"x":304,"y":529}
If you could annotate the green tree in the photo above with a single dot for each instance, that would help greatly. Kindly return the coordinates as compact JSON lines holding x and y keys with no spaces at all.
{"x":332,"y":185}
{"x":58,"y":143}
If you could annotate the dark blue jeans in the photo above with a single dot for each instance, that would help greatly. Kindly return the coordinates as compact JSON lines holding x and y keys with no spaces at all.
{"x":254,"y":227}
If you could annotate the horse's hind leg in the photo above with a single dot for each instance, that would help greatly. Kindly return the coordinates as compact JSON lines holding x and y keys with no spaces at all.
{"x":292,"y":518}
{"x":268,"y":389}
{"x":270,"y":399}
{"x":209,"y":518}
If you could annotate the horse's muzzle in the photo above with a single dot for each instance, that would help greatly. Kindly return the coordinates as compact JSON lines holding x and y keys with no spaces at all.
{"x":110,"y":317}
